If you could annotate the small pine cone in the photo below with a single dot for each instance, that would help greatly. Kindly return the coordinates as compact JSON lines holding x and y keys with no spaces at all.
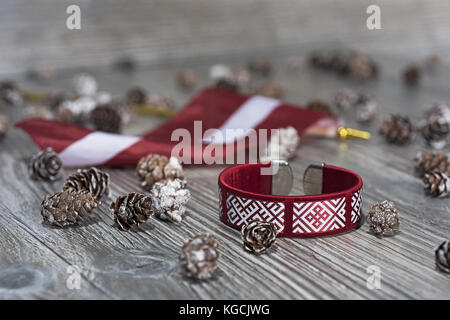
{"x":436,"y":131}
{"x":366,"y":110}
{"x":258,"y":236}
{"x":397,"y":129}
{"x":106,"y":118}
{"x":412,"y":75}
{"x":92,"y":180}
{"x":345,"y":99}
{"x":131,"y":210}
{"x":432,"y":161}
{"x":438,"y":110}
{"x":436,"y":184}
{"x":157,"y":168}
{"x":361,"y":67}
{"x":126,"y":64}
{"x":67,"y":207}
{"x":9,"y":93}
{"x":443,"y":256}
{"x":383,"y":218}
{"x":45,"y":165}
{"x":227,"y":84}
{"x":319,"y":105}
{"x":136,"y":96}
{"x":199,"y":256}
{"x":187,"y":79}
{"x":169,"y":199}
{"x":3,"y":125}
{"x":85,"y":84}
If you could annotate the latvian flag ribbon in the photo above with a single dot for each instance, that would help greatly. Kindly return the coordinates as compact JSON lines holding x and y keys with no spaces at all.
{"x":212,"y":108}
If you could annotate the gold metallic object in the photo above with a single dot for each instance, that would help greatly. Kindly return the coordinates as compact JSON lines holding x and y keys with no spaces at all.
{"x":33,"y":96}
{"x":155,"y":110}
{"x":345,"y":133}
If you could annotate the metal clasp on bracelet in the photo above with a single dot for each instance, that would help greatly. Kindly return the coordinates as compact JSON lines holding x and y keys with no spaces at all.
{"x":282,"y":178}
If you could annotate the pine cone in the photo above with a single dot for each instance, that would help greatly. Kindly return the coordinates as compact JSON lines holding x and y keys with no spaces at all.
{"x":432,"y":161}
{"x":186,"y":79}
{"x":319,"y":105}
{"x":262,"y":67}
{"x":67,"y":207}
{"x":397,"y":129}
{"x":106,"y":118}
{"x":345,"y":99}
{"x":258,"y":236}
{"x":3,"y":125}
{"x":361,"y":67}
{"x":436,"y":131}
{"x":436,"y":184}
{"x":131,"y":210}
{"x":412,"y":75}
{"x":169,"y":199}
{"x":366,"y":110}
{"x":45,"y":165}
{"x":92,"y":180}
{"x":85,"y":84}
{"x":383,"y":218}
{"x":443,"y":256}
{"x":199,"y":256}
{"x":157,"y":168}
{"x":137,"y":96}
{"x":282,"y":145}
{"x":227,"y":84}
{"x":9,"y":93}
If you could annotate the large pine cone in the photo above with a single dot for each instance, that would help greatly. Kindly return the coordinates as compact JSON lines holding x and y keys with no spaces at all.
{"x":92,"y":180}
{"x":436,"y":131}
{"x":258,"y":236}
{"x":157,"y":168}
{"x":106,"y":118}
{"x":436,"y":184}
{"x":397,"y":129}
{"x":199,"y":256}
{"x":443,"y":256}
{"x":432,"y":161}
{"x":383,"y":218}
{"x":46,"y":165}
{"x":131,"y":210}
{"x":169,"y":199}
{"x":67,"y":207}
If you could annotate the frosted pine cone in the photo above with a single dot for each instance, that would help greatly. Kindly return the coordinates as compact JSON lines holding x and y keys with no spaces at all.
{"x":366,"y":109}
{"x":157,"y":168}
{"x":67,"y":207}
{"x":258,"y":236}
{"x":436,"y":184}
{"x":169,"y":199}
{"x":131,"y":210}
{"x":345,"y":99}
{"x":443,"y":256}
{"x":282,"y":145}
{"x":436,"y":131}
{"x":45,"y":165}
{"x":3,"y":125}
{"x":76,"y":111}
{"x":432,"y":161}
{"x":199,"y":256}
{"x":9,"y":93}
{"x":85,"y":85}
{"x":383,"y":218}
{"x":438,"y":110}
{"x":92,"y":180}
{"x":397,"y":129}
{"x":220,"y":71}
{"x":106,"y":118}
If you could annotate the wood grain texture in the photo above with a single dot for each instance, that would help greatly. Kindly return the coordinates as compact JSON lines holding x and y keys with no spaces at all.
{"x":34,"y":33}
{"x":144,"y":264}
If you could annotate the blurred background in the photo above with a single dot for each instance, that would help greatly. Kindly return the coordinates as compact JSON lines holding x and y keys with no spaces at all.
{"x":33,"y":34}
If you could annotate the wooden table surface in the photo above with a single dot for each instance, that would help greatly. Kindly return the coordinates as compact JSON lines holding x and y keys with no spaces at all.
{"x":36,"y":259}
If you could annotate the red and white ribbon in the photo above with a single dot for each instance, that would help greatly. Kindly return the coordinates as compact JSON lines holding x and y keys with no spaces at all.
{"x":215,"y":108}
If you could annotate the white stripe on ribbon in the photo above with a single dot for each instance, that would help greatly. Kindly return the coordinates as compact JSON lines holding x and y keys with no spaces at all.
{"x":96,"y":148}
{"x":254,"y":111}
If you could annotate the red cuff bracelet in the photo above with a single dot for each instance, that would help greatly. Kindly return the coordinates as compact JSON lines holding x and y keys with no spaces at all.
{"x":332,"y":204}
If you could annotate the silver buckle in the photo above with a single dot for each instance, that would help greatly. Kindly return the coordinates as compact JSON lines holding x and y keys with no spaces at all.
{"x":282,"y":178}
{"x":313,"y":179}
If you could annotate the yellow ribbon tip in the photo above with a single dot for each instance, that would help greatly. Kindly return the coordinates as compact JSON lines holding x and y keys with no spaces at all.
{"x":344,"y":133}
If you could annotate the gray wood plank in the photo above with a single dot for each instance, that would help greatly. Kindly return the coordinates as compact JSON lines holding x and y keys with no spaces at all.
{"x":144,"y":264}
